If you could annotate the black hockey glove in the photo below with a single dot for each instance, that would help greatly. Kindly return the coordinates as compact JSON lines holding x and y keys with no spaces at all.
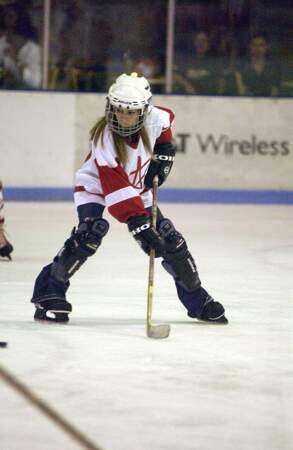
{"x":164,"y":155}
{"x":146,"y":235}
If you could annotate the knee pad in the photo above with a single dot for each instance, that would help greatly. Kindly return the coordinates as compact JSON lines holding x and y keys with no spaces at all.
{"x":83,"y":242}
{"x":177,"y":259}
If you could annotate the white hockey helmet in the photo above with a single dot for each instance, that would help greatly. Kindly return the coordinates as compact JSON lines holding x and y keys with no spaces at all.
{"x":129,"y":92}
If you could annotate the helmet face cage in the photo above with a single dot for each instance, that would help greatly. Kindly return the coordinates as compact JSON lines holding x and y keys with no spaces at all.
{"x":114,"y":125}
{"x":128,"y":93}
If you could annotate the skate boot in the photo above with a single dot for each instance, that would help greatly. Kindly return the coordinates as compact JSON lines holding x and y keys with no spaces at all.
{"x":212,"y":312}
{"x":5,"y":246}
{"x":200,"y":305}
{"x":53,"y":310}
{"x":49,"y":298}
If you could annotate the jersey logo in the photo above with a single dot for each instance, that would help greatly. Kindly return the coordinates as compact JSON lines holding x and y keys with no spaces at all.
{"x":136,"y":177}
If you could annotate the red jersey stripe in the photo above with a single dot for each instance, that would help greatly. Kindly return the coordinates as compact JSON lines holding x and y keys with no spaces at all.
{"x":128,"y":208}
{"x":111,"y":178}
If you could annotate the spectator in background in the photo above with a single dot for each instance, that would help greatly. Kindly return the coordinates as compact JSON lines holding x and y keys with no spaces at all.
{"x":83,"y":51}
{"x":230,"y":80}
{"x":238,"y":16}
{"x":260,"y":75}
{"x":3,"y":39}
{"x":286,"y":55}
{"x":150,"y":67}
{"x":201,"y":71}
{"x":5,"y":246}
{"x":22,"y":56}
{"x":3,"y":47}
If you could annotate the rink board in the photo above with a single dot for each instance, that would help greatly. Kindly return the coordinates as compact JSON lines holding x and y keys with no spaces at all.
{"x":229,"y":149}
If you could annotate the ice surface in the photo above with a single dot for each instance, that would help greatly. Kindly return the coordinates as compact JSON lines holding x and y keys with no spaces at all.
{"x":206,"y":387}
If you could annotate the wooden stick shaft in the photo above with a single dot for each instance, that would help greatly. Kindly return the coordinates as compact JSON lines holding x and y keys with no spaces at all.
{"x":152,"y":257}
{"x":47,"y":410}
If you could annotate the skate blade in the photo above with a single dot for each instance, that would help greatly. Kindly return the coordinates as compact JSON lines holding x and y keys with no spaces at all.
{"x":158,"y":331}
{"x":219,"y":321}
{"x":51,"y":316}
{"x":6,"y":256}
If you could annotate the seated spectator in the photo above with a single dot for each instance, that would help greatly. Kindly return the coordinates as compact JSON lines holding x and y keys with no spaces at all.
{"x":81,"y":61}
{"x":3,"y":47}
{"x":150,"y":67}
{"x":260,"y":75}
{"x":286,"y":56}
{"x":201,"y":71}
{"x":238,"y":17}
{"x":22,"y":56}
{"x":230,"y":80}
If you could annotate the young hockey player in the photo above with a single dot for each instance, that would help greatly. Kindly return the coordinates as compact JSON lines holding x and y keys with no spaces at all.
{"x":130,"y":145}
{"x":5,"y":246}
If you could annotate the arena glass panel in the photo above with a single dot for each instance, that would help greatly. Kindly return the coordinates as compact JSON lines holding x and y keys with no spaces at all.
{"x":221,"y":47}
{"x":233,"y":48}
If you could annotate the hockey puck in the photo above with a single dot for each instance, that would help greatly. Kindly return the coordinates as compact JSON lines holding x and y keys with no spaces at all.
{"x":3,"y":344}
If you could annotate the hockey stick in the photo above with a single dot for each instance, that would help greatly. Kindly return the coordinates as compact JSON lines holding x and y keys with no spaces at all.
{"x":47,"y":410}
{"x":154,"y":331}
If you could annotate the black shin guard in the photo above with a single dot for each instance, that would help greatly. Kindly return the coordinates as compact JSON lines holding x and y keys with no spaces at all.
{"x":177,"y":259}
{"x":49,"y":294}
{"x":83,"y":242}
{"x":180,"y":264}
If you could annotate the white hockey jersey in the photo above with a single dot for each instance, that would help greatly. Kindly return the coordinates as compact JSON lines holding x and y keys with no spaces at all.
{"x":102,"y":179}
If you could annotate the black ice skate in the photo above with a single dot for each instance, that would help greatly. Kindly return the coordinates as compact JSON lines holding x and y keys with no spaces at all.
{"x":5,"y":250}
{"x":53,"y":311}
{"x":212,"y":312}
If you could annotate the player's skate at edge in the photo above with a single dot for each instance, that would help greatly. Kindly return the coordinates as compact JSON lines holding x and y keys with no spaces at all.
{"x":5,"y":246}
{"x":130,"y":145}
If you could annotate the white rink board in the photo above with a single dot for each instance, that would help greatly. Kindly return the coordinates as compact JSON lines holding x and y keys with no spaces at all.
{"x":224,"y":143}
{"x":235,"y":143}
{"x":37,"y":139}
